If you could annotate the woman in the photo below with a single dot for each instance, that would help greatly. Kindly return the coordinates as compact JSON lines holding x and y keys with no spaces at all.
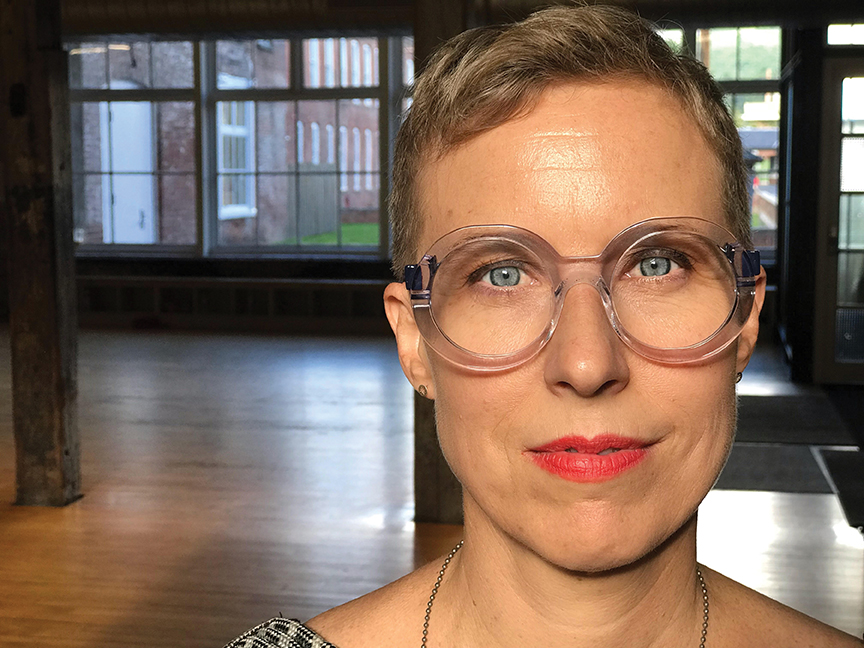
{"x":581,"y":347}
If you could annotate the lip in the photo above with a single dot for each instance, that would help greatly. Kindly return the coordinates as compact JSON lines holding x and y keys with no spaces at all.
{"x":585,"y":465}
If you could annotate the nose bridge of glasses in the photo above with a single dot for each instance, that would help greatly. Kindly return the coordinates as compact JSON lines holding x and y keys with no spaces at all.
{"x":582,"y":270}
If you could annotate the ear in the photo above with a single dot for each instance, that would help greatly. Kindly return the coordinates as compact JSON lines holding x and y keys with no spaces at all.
{"x":409,"y":342}
{"x":747,"y":339}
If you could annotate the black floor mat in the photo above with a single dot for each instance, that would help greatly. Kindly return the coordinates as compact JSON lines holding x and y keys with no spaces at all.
{"x":847,"y":473}
{"x":779,"y":468}
{"x":809,"y":419}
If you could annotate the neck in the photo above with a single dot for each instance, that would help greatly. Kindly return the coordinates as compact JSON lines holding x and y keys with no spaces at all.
{"x":501,"y":593}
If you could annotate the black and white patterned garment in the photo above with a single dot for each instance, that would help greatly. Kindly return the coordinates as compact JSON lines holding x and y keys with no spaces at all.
{"x":280,"y":633}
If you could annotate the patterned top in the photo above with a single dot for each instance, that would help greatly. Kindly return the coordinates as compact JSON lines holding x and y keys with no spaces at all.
{"x":280,"y":633}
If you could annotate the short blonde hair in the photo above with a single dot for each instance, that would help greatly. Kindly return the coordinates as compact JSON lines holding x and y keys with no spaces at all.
{"x":486,"y":76}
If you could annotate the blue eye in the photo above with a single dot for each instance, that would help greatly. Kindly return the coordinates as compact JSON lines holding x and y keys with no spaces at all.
{"x":503,"y":277}
{"x":656,"y":266}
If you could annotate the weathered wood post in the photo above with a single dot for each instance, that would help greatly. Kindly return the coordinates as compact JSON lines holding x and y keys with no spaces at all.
{"x":437,"y":493}
{"x":37,"y":207}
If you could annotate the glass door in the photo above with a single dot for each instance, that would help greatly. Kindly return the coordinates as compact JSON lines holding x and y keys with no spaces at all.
{"x":839,"y":329}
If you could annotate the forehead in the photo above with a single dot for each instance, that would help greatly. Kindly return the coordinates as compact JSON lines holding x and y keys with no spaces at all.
{"x":586,"y":161}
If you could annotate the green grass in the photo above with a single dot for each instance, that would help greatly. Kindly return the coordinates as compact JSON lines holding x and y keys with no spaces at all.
{"x":352,"y":234}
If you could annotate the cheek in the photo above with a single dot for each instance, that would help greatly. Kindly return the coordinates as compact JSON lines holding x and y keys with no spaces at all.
{"x":475,"y":416}
{"x":701,"y":403}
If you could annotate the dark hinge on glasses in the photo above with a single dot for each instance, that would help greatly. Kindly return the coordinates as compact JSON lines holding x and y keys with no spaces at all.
{"x":750,"y":260}
{"x":414,"y":274}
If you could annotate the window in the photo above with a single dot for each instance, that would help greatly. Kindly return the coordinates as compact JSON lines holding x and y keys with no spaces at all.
{"x":235,"y":159}
{"x":367,"y":133}
{"x":315,"y":134}
{"x":300,"y":143}
{"x":287,"y":167}
{"x":674,"y":37}
{"x":746,"y":62}
{"x":407,"y":60}
{"x":367,"y":65}
{"x":356,"y":132}
{"x":740,"y":53}
{"x":331,"y":144}
{"x":313,"y":49}
{"x":329,"y":63}
{"x":846,"y":34}
{"x":343,"y":158}
{"x":343,"y":62}
{"x":355,"y":63}
{"x":133,"y":190}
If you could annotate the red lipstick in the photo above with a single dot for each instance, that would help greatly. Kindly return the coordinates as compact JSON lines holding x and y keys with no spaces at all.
{"x":584,"y":460}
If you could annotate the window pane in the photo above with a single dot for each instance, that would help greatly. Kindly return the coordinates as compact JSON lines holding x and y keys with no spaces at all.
{"x":126,"y":136}
{"x":312,"y":69}
{"x":756,"y":109}
{"x":851,"y":230}
{"x":275,"y":133}
{"x":852,"y":164}
{"x":277,"y":209}
{"x":717,"y":49}
{"x":253,"y":63}
{"x":86,"y":135}
{"x":88,"y":65}
{"x":177,"y":209}
{"x":757,"y":117}
{"x":850,"y":279}
{"x":846,"y":34}
{"x":176,"y":131}
{"x":87,"y":207}
{"x":129,"y":66}
{"x":408,"y":60}
{"x":759,"y":53}
{"x":172,"y":65}
{"x":746,"y":53}
{"x":673,"y":37}
{"x":130,"y":209}
{"x":321,"y":114}
{"x":319,"y":208}
{"x":359,"y":214}
{"x":852,"y":111}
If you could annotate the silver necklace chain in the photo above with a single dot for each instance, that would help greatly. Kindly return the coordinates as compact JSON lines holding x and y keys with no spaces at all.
{"x":459,"y":546}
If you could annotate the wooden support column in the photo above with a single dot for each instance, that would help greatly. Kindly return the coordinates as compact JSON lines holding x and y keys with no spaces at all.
{"x":37,"y":197}
{"x":437,"y":493}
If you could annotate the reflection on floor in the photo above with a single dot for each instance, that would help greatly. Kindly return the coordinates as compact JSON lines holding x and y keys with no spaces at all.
{"x":229,"y":479}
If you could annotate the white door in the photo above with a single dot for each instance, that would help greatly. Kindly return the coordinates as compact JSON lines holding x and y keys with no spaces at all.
{"x":127,"y":166}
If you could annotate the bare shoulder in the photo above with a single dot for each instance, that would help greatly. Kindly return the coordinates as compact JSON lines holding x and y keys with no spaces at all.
{"x":392,"y":615}
{"x":746,"y":618}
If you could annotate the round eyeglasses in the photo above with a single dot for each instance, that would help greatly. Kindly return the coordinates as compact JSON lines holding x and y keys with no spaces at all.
{"x":676,"y":290}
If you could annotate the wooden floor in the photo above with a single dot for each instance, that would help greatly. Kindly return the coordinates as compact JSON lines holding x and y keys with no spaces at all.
{"x":229,"y":479}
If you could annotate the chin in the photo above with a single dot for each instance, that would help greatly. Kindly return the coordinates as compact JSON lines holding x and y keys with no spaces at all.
{"x":596,"y":559}
{"x":605,"y":545}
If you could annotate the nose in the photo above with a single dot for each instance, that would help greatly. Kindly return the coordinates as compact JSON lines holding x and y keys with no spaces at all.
{"x":585,"y":355}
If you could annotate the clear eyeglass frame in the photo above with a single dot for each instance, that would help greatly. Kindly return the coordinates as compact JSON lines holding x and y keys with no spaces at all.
{"x":596,"y":271}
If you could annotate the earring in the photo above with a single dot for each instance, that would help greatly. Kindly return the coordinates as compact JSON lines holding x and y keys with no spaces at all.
{"x":739,"y":377}
{"x":422,"y":391}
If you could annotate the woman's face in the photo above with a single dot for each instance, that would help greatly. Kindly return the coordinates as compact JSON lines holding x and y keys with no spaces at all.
{"x":585,"y":163}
